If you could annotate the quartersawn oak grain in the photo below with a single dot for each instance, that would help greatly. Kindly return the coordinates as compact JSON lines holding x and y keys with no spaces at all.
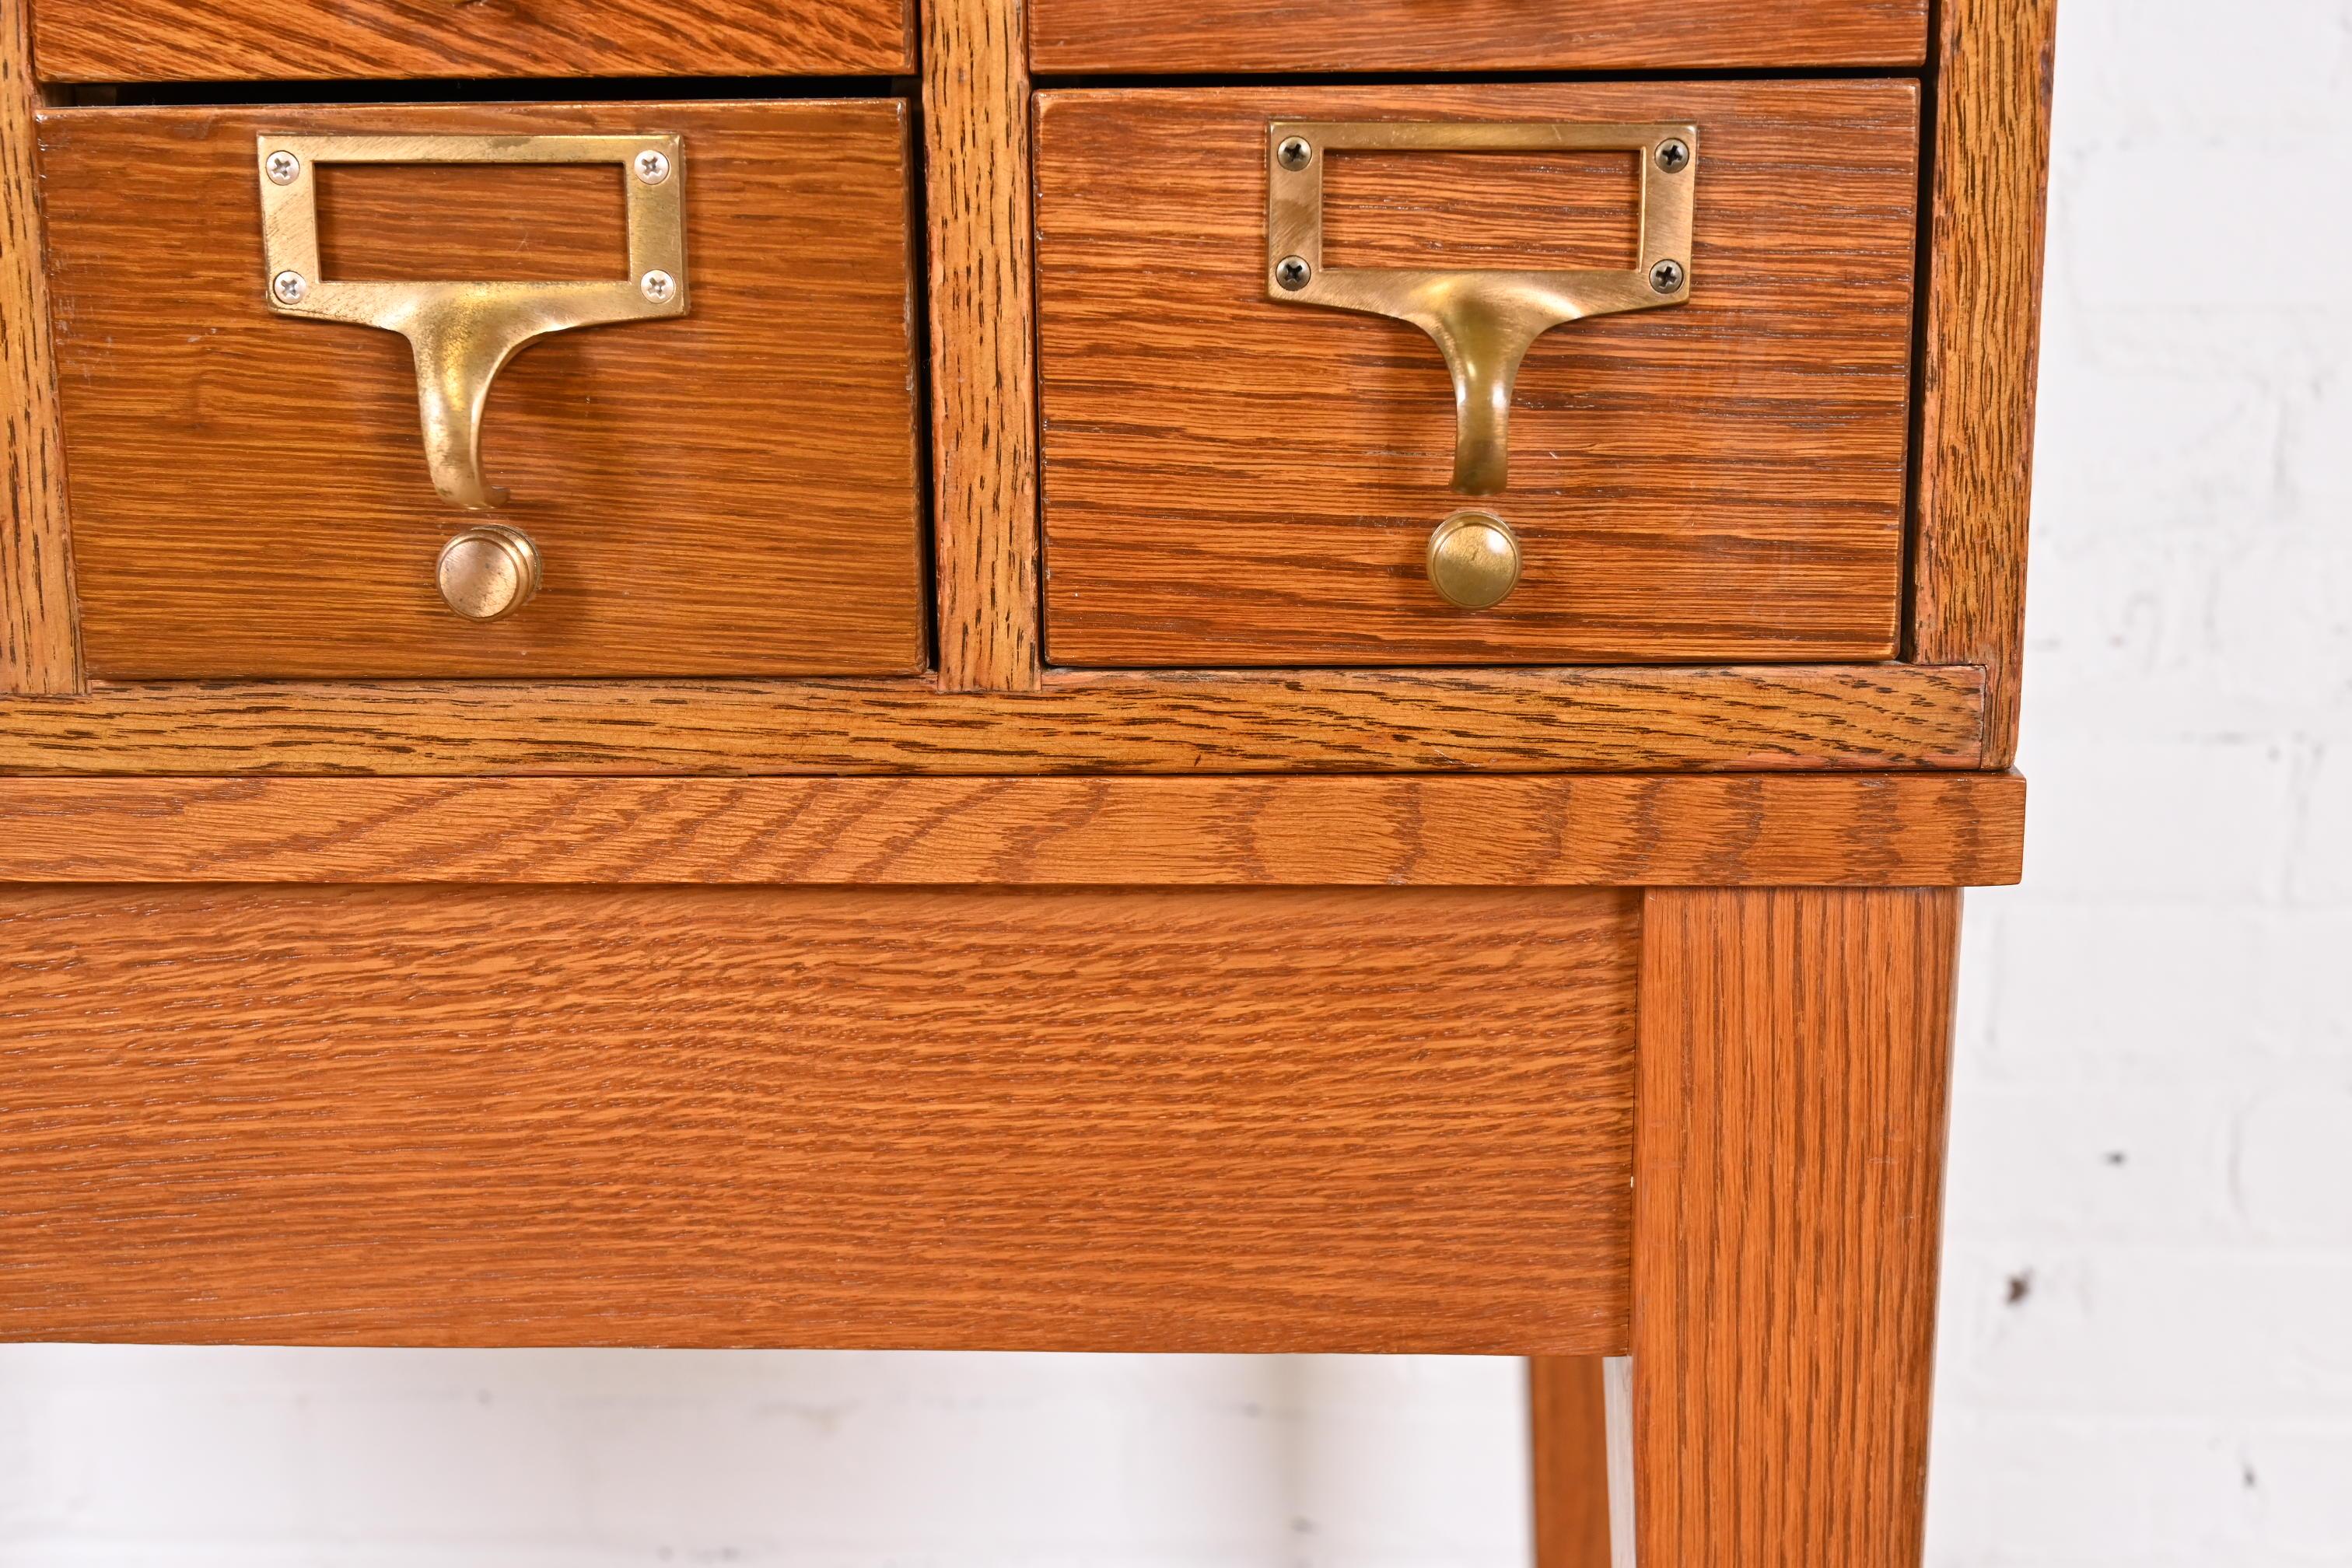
{"x":1903,"y":830}
{"x":1255,"y":1120}
{"x":40,"y":648}
{"x":1236,"y":36}
{"x":1234,"y":481}
{"x":1530,"y":722}
{"x":1983,"y":336}
{"x":1788,"y":1184}
{"x":733,"y":492}
{"x":983,"y":374}
{"x":187,"y":40}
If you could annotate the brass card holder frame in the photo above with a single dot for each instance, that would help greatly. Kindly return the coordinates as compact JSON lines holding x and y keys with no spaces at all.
{"x":1484,"y":319}
{"x":463,"y":333}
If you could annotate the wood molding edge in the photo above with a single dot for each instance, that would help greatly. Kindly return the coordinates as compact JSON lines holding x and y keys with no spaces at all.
{"x":1908,"y":829}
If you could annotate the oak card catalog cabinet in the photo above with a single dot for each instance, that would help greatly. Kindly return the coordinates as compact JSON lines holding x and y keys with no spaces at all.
{"x":1148,"y":675}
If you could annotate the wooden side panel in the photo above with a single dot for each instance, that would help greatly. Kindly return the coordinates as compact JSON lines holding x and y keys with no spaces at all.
{"x":1230,"y":480}
{"x":183,"y":40}
{"x":1984,"y":313}
{"x":1787,"y":1189}
{"x":1673,"y":830}
{"x":1529,"y":721}
{"x":1229,"y":36}
{"x":1236,"y":1121}
{"x":1569,"y":1431}
{"x":732,"y":492}
{"x":41,"y":647}
{"x":984,"y":372}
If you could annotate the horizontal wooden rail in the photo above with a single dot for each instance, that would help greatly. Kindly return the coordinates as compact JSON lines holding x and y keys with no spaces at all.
{"x":1633,"y":719}
{"x":1373,"y":1120}
{"x":1784,"y":830}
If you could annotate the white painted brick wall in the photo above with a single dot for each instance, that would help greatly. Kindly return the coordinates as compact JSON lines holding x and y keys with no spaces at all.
{"x":2147,"y":1347}
{"x":2146,"y":1352}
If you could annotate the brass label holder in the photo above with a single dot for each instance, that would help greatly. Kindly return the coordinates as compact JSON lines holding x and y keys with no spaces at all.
{"x":1484,"y":319}
{"x":463,"y":333}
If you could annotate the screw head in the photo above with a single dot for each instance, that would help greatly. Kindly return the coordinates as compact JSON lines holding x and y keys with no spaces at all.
{"x":291,"y":288}
{"x":1673,"y":156}
{"x":1292,"y":272}
{"x":283,"y":168}
{"x":1295,"y":152}
{"x":651,"y":166}
{"x":1666,"y":277}
{"x":658,"y":285}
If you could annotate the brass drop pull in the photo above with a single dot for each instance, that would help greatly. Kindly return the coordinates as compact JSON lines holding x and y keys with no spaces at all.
{"x":1474,"y":560}
{"x":463,"y":333}
{"x":489,"y":573}
{"x":1484,"y":319}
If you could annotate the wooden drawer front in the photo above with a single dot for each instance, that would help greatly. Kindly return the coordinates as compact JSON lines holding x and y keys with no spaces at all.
{"x":189,"y":40}
{"x":1366,"y":1119}
{"x":1230,"y":480}
{"x":1472,"y":35}
{"x":731,"y":491}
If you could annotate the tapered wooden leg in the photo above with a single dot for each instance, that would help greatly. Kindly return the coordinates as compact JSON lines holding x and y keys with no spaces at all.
{"x":1568,"y":1424}
{"x":1789,"y":1154}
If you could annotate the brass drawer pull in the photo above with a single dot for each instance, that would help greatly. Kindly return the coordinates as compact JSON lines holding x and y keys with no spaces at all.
{"x":1483,"y":318}
{"x":463,"y":333}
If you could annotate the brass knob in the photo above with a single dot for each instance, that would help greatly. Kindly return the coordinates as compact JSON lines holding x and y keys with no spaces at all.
{"x":489,"y":572}
{"x":1474,"y":560}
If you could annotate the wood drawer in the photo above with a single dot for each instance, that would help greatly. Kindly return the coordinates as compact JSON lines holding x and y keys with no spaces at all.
{"x":1229,"y":36}
{"x":731,"y":491}
{"x":1207,"y":1119}
{"x":189,"y":40}
{"x":1231,"y":479}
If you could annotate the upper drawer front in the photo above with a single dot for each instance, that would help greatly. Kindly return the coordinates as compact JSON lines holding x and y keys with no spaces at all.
{"x":1236,"y":479}
{"x":197,"y":41}
{"x":730,"y":491}
{"x":1472,"y":35}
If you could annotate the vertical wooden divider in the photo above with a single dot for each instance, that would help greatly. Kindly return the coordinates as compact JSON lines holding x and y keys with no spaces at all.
{"x":41,"y":642}
{"x":1789,"y":1156}
{"x":1983,"y":302}
{"x":983,"y":375}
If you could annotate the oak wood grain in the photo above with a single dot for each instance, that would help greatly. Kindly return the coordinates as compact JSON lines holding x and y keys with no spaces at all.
{"x":731,"y":492}
{"x":984,"y":372}
{"x":40,"y":647}
{"x":1790,"y":1152}
{"x":1567,"y":1433}
{"x":1233,"y":480}
{"x":1983,"y":338}
{"x":187,"y":40}
{"x":1371,"y":1120}
{"x":1780,"y":718}
{"x":1238,"y":35}
{"x":1901,"y":830}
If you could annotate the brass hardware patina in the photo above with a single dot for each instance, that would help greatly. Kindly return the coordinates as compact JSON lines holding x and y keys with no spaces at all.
{"x":1474,"y":560}
{"x":489,"y":573}
{"x":1484,"y":319}
{"x":463,"y":333}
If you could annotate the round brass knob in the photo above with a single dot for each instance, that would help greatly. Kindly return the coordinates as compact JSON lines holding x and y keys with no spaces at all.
{"x":488,"y":571}
{"x":1474,"y":560}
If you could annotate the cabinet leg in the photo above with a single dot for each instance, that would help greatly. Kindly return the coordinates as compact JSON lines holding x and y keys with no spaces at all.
{"x":1568,"y":1428}
{"x":1788,"y":1154}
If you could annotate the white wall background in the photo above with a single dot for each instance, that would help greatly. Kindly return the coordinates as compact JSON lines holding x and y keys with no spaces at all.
{"x":2148,"y":1339}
